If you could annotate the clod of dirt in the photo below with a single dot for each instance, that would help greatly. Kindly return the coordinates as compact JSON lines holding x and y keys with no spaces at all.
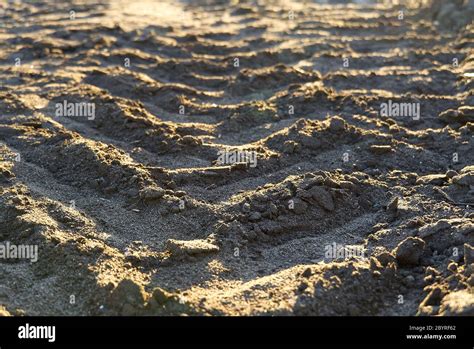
{"x":307,"y":273}
{"x":466,"y":178}
{"x":290,"y":147}
{"x":385,"y":258}
{"x":337,"y":124}
{"x":255,"y":216}
{"x":151,"y":193}
{"x":299,"y":206}
{"x":468,"y":254}
{"x":127,"y":298}
{"x":191,"y":141}
{"x":430,"y":229}
{"x":433,"y":179}
{"x":3,"y":311}
{"x":409,"y":251}
{"x":5,"y":173}
{"x":433,"y":299}
{"x":393,"y":205}
{"x":162,"y":296}
{"x":323,"y":198}
{"x":458,"y":117}
{"x":183,"y":248}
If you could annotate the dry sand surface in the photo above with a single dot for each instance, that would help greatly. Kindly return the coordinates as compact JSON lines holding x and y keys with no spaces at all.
{"x":237,"y":157}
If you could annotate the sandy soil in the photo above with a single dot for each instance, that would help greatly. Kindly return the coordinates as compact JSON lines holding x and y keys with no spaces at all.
{"x":131,"y":210}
